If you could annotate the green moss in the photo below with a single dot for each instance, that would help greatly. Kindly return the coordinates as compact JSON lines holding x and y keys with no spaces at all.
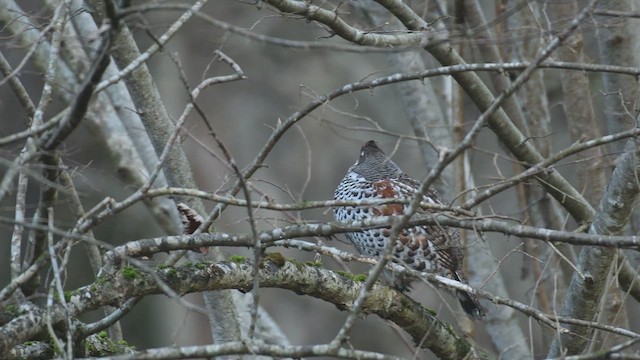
{"x":67,"y":295}
{"x":101,"y":345}
{"x":297,"y":264}
{"x":129,"y":272}
{"x":171,"y":272}
{"x":54,"y":346}
{"x":100,"y":281}
{"x":276,"y":258}
{"x":91,"y":349}
{"x":314,"y":263}
{"x":462,"y":347}
{"x":354,"y":277}
{"x":430,"y":311}
{"x":201,"y":266}
{"x":238,"y":259}
{"x":11,"y":309}
{"x":450,"y":329}
{"x":124,"y":343}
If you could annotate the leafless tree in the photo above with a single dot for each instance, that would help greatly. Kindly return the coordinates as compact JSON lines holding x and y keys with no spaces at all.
{"x":168,"y":170}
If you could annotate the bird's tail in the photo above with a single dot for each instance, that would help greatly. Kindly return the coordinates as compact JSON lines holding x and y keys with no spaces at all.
{"x":470,"y":304}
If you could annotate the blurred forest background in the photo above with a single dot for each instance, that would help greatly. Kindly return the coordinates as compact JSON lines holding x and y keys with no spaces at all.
{"x":289,"y":61}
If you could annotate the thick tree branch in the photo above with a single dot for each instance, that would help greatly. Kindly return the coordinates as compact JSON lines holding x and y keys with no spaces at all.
{"x":613,"y":214}
{"x":253,"y":348}
{"x":116,"y":287}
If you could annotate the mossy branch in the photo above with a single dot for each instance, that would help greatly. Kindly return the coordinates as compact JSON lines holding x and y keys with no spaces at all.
{"x":275,"y":272}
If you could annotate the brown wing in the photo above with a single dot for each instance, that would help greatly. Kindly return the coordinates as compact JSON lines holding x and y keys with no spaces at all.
{"x":445,"y":240}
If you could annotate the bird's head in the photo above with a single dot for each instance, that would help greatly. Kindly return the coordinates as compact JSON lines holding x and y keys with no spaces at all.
{"x":373,"y":164}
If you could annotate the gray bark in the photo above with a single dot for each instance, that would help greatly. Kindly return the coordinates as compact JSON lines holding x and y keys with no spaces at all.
{"x":613,"y":214}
